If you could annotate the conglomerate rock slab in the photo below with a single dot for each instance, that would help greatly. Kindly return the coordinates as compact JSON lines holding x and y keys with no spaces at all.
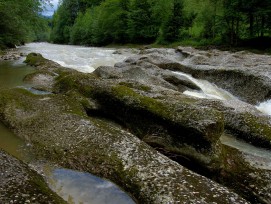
{"x":60,"y":130}
{"x":19,"y":184}
{"x":128,"y":86}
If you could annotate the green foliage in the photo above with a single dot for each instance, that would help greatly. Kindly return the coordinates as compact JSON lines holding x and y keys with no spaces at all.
{"x":141,"y":26}
{"x":21,"y":22}
{"x":171,"y":30}
{"x":104,"y":22}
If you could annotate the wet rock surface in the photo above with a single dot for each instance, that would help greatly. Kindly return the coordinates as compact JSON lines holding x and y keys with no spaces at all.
{"x":19,"y":184}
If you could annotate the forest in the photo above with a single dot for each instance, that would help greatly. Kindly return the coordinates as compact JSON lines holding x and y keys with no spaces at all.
{"x":162,"y":22}
{"x":101,"y":22}
{"x":21,"y":22}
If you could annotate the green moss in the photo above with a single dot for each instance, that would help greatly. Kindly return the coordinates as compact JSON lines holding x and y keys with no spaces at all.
{"x":15,"y":96}
{"x":253,"y":129}
{"x":34,"y":59}
{"x":257,"y":126}
{"x":136,"y":86}
{"x":75,"y":103}
{"x":152,"y":105}
{"x":75,"y":81}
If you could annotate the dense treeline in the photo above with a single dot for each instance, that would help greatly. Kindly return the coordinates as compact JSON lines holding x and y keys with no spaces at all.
{"x":21,"y":22}
{"x":100,"y":22}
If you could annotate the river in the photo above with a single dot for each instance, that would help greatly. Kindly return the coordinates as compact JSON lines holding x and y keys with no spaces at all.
{"x":83,"y":59}
{"x":81,"y":186}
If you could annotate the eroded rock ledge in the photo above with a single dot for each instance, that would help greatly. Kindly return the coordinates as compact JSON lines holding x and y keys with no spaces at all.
{"x":19,"y":184}
{"x":106,"y":122}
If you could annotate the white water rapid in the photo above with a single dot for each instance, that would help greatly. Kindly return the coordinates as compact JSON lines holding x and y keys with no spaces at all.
{"x":209,"y":90}
{"x":83,"y":59}
{"x":265,"y":107}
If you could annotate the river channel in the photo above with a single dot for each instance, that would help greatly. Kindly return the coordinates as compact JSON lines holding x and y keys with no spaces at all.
{"x":73,"y":186}
{"x":81,"y":187}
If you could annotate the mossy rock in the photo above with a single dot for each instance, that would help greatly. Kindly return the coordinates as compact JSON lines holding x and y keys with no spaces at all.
{"x":252,"y":128}
{"x":188,"y":124}
{"x":253,"y":183}
{"x":61,"y":132}
{"x":82,"y":83}
{"x":246,"y":123}
{"x":19,"y":184}
{"x":35,"y":59}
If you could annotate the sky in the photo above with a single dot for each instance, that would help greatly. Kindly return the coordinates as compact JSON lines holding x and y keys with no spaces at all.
{"x":49,"y":11}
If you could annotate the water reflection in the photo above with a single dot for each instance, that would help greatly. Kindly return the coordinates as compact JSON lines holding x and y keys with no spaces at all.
{"x":11,"y":143}
{"x":12,"y":75}
{"x":78,"y":188}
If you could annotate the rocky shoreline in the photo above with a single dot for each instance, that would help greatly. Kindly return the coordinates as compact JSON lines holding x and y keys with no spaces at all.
{"x":11,"y":54}
{"x":132,"y":124}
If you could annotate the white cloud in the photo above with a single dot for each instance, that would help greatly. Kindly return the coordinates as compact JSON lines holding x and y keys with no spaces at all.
{"x":49,"y":10}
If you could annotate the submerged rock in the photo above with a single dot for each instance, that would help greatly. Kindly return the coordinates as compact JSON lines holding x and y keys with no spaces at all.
{"x":19,"y":184}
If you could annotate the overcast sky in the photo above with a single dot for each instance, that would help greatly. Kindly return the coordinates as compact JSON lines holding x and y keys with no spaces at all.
{"x":49,"y":11}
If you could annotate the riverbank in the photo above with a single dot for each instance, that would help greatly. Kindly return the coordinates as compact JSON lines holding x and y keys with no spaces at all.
{"x":11,"y":54}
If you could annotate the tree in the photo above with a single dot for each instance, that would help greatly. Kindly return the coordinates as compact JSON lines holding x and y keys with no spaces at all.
{"x":175,"y":22}
{"x":20,"y":21}
{"x":141,"y":25}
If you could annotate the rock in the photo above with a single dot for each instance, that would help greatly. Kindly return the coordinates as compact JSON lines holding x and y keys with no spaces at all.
{"x":244,"y":121}
{"x":47,"y":72}
{"x":181,"y":82}
{"x":41,"y":80}
{"x":61,"y":131}
{"x":187,"y":123}
{"x":253,"y":179}
{"x":135,"y":96}
{"x":19,"y":184}
{"x":10,"y":54}
{"x":244,"y":74}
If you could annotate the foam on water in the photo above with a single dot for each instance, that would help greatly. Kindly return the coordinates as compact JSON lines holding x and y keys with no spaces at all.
{"x":83,"y":59}
{"x":209,"y":90}
{"x":265,"y":107}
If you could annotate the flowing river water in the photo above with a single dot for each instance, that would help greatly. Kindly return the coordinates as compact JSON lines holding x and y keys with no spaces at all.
{"x":82,"y":187}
